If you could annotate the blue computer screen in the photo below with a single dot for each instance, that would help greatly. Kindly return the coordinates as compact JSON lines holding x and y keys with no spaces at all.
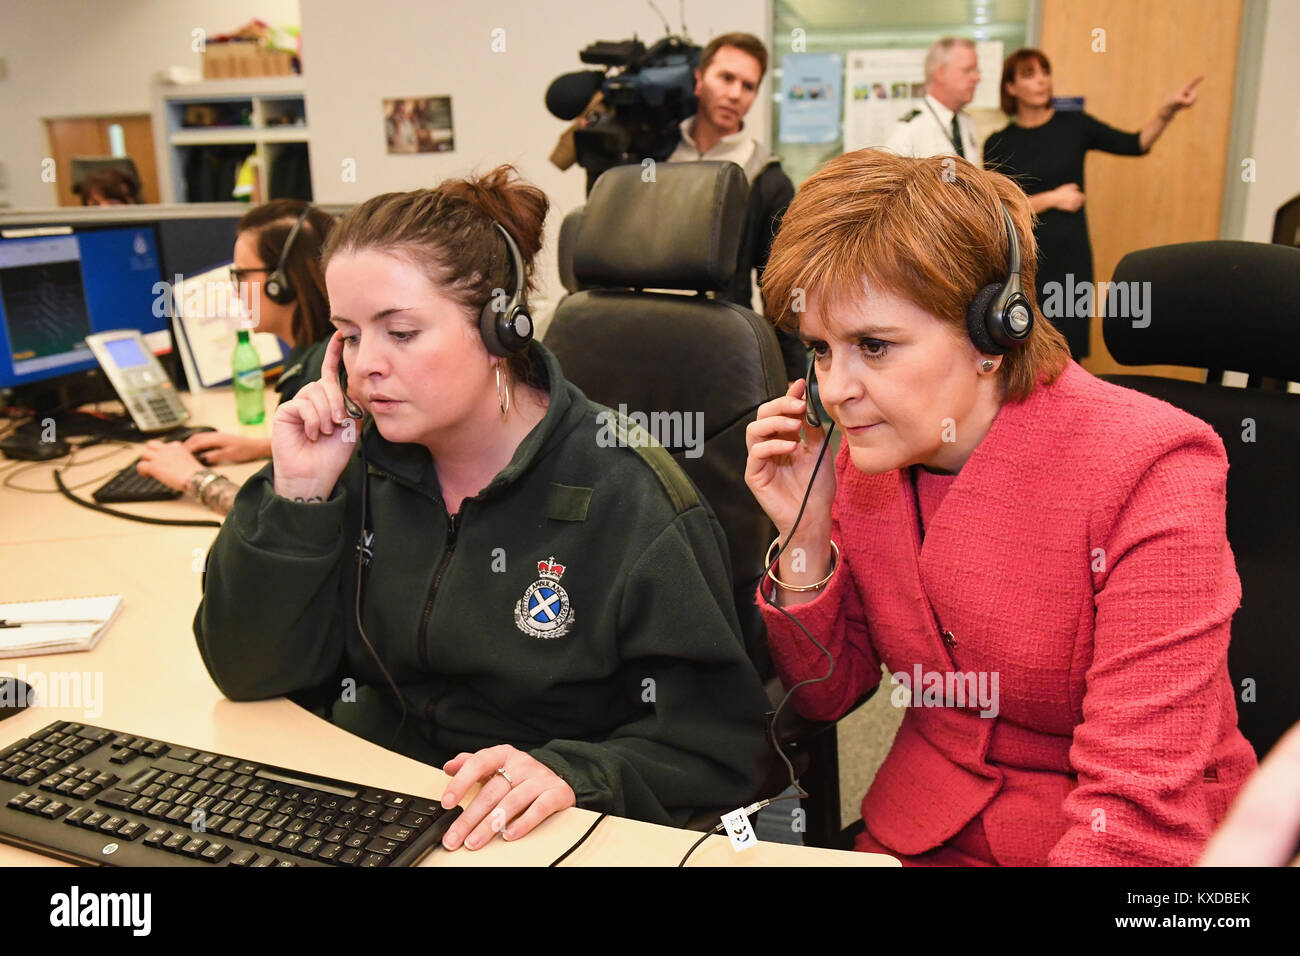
{"x":56,"y":290}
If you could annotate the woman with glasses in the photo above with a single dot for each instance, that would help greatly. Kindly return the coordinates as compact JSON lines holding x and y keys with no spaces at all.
{"x":300,"y":318}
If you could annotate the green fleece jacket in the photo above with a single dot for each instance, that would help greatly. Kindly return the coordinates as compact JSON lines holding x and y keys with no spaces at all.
{"x":579,"y":607}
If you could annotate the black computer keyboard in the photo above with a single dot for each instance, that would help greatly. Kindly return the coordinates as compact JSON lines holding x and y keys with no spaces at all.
{"x":129,"y":485}
{"x":90,"y":795}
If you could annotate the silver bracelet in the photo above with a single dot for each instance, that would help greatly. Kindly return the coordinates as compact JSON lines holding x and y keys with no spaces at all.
{"x":208,"y":478}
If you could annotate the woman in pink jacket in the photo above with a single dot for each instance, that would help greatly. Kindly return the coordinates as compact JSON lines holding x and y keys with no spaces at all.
{"x":1037,"y":557}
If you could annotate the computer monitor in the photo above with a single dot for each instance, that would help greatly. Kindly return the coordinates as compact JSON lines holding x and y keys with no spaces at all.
{"x":59,"y":285}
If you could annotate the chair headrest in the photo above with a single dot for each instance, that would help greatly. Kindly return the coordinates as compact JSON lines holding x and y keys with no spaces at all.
{"x":679,"y":230}
{"x":1221,"y":305}
{"x":569,"y":229}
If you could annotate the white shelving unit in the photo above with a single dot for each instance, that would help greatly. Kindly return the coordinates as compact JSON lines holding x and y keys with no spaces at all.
{"x":257,"y":100}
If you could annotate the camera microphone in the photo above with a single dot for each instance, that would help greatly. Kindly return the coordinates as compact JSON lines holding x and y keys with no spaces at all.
{"x":569,"y":93}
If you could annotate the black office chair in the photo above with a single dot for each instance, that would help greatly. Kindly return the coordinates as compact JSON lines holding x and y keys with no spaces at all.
{"x":686,"y":355}
{"x":1235,"y":305}
{"x":661,"y":351}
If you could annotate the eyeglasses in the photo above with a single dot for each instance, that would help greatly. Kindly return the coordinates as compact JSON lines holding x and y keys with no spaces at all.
{"x":237,"y":275}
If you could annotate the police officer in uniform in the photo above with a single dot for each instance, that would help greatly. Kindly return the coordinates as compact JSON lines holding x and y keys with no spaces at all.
{"x":940,"y":126}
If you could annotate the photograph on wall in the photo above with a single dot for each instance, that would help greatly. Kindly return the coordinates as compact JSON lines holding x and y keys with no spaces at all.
{"x":418,"y":124}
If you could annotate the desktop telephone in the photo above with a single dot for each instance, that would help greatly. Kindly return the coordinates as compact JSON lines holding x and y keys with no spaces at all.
{"x":139,"y":379}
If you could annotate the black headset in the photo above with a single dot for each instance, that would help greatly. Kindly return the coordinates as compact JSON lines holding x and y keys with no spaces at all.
{"x":278,"y":287}
{"x":510,"y":330}
{"x":998,"y":320}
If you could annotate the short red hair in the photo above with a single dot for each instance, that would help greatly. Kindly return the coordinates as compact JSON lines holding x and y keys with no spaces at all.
{"x":927,"y":230}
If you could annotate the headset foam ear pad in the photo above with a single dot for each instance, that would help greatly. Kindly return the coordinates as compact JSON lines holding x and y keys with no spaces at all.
{"x":977,"y":320}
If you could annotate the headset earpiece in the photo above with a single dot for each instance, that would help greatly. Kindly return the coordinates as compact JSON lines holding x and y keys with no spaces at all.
{"x":1000,"y":317}
{"x":278,"y":288}
{"x":509,"y":330}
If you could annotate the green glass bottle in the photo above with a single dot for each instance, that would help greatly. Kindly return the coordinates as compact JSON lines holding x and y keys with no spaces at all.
{"x":246,"y":366}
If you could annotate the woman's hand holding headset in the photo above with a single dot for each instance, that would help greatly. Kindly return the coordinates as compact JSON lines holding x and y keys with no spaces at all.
{"x":778,"y":471}
{"x":312,"y":436}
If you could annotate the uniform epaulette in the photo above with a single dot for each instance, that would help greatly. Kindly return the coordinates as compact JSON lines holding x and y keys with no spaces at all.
{"x":679,"y":488}
{"x":910,"y":116}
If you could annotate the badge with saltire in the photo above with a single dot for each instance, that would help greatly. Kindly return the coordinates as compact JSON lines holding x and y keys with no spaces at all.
{"x":544,"y":611}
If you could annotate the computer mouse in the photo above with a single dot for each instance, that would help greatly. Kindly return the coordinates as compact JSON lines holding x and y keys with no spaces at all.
{"x":14,"y":696}
{"x":22,"y":446}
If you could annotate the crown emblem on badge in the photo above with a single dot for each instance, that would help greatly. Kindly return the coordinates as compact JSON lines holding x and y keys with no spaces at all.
{"x":548,"y":569}
{"x":545,"y":611}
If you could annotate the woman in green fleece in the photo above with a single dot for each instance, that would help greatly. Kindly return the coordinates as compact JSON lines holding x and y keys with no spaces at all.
{"x":540,"y":612}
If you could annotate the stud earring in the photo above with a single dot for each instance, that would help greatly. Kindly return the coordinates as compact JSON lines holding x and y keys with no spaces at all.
{"x":987,"y":365}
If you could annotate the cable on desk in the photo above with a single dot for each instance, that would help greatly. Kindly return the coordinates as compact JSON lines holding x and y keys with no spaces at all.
{"x":22,"y":467}
{"x":749,"y":812}
{"x":581,"y":840}
{"x":174,"y":522}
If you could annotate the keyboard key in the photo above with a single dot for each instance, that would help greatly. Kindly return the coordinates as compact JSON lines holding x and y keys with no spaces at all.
{"x":166,"y":779}
{"x":426,"y":807}
{"x":243,"y":858}
{"x":278,"y":821}
{"x":215,"y":852}
{"x":158,"y":810}
{"x":130,"y":830}
{"x":280,"y":863}
{"x":123,"y":756}
{"x":396,"y":833}
{"x":382,"y":846}
{"x":121,"y":740}
{"x":156,"y":749}
{"x":176,"y":814}
{"x":251,"y":832}
{"x":356,"y":840}
{"x":349,"y":857}
{"x":176,"y":842}
{"x":391,"y":815}
{"x":54,"y":809}
{"x":87,"y":775}
{"x":262,"y":861}
{"x":366,"y":826}
{"x":29,"y":776}
{"x":289,"y":842}
{"x":179,"y":767}
{"x":337,"y":835}
{"x":309,"y":847}
{"x":92,"y":820}
{"x":373,"y":859}
{"x":118,"y":799}
{"x":204,"y":759}
{"x":157,"y":836}
{"x":270,"y":837}
{"x":374,"y":796}
{"x":194,"y":847}
{"x":141,"y":805}
{"x":111,"y":824}
{"x":105,"y":779}
{"x":240,"y":812}
{"x":226,"y":763}
{"x":77,"y":815}
{"x":329,"y":852}
{"x":139,"y":743}
{"x":314,"y":831}
{"x":231,"y":827}
{"x":85,"y":790}
{"x":417,"y":821}
{"x":296,"y":826}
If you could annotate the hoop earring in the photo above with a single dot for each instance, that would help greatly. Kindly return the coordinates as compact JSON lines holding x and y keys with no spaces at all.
{"x":503,"y":394}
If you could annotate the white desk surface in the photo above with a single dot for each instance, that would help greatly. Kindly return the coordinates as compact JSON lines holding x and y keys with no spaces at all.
{"x":154,"y":683}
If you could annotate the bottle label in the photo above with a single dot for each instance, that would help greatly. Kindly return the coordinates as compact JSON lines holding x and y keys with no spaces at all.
{"x":249,"y":379}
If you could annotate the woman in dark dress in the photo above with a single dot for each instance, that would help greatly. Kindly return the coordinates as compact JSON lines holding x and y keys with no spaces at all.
{"x":1043,"y":150}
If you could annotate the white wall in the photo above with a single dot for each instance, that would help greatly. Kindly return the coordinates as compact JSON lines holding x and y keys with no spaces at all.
{"x":1275,"y":146}
{"x":418,"y":48}
{"x":88,"y":57}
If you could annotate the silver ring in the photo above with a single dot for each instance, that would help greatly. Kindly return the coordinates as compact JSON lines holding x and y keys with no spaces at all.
{"x":502,"y":771}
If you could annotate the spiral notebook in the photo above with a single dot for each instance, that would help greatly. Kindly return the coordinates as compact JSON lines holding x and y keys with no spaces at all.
{"x":55,"y":627}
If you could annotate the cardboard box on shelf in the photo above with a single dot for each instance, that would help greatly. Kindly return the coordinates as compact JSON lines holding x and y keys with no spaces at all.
{"x":234,"y":59}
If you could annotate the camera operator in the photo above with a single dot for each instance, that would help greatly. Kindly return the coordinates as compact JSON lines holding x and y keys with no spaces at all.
{"x":726,"y":84}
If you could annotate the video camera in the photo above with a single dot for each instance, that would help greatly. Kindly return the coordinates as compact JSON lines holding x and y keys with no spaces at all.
{"x":645,"y":101}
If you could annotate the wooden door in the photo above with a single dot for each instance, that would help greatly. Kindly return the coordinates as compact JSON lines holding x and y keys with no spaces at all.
{"x":88,"y":136}
{"x":1175,"y":192}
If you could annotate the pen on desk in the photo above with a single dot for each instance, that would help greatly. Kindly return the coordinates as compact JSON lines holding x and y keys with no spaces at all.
{"x":4,"y":622}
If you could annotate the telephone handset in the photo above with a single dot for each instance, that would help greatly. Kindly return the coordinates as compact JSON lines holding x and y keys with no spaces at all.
{"x":139,"y":379}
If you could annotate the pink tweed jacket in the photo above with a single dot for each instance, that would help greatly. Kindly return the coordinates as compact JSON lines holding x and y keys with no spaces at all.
{"x":1080,"y":555}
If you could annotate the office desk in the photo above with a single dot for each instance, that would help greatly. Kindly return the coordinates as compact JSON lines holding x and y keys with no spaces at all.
{"x":155,"y":684}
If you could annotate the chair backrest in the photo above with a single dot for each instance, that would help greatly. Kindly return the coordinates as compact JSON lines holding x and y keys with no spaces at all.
{"x":1234,"y":305}
{"x":696,"y":368}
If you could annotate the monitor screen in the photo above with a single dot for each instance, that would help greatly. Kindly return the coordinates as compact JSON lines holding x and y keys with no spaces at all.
{"x":57,"y":289}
